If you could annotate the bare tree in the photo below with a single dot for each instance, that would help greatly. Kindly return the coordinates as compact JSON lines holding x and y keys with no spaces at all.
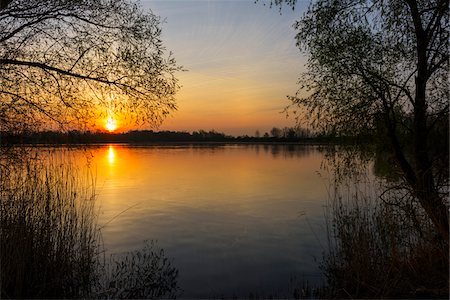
{"x":76,"y":61}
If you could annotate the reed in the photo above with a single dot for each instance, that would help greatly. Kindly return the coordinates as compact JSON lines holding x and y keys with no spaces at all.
{"x":51,"y":242}
{"x":382,"y":247}
{"x":49,"y":237}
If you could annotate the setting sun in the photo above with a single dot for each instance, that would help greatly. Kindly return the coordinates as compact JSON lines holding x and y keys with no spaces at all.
{"x":111,"y":124}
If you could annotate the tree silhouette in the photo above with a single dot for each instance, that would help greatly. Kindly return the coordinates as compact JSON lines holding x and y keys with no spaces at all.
{"x":383,"y":63}
{"x":74,"y":61}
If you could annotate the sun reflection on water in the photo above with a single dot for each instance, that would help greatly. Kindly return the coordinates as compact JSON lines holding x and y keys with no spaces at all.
{"x":111,"y":155}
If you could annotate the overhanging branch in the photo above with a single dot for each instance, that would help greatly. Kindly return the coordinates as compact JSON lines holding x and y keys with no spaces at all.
{"x":55,"y":69}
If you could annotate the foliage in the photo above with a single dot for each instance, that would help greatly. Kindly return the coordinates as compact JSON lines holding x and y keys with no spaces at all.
{"x":383,"y":64}
{"x":363,"y":61}
{"x":75,"y":61}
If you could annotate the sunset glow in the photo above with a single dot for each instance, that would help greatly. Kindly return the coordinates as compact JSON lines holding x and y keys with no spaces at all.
{"x":111,"y":155}
{"x":111,"y":124}
{"x":241,"y":65}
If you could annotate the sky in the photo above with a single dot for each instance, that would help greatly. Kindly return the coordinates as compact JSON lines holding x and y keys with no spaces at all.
{"x":241,"y":63}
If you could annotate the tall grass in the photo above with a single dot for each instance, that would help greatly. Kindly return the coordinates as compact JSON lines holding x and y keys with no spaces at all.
{"x":49,"y":237}
{"x":50,"y":243}
{"x":382,"y":246}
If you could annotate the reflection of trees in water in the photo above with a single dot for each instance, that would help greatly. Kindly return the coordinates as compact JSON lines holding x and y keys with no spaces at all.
{"x":381,"y":241}
{"x":50,"y":241}
{"x":287,"y":150}
{"x":280,"y":150}
{"x":346,"y":161}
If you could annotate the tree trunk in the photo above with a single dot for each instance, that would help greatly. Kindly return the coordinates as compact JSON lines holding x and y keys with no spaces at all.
{"x":424,"y":187}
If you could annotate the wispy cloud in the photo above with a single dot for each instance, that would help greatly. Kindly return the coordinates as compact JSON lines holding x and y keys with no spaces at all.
{"x":241,"y":58}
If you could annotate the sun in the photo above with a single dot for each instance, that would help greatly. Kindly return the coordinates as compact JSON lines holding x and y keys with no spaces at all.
{"x":111,"y":124}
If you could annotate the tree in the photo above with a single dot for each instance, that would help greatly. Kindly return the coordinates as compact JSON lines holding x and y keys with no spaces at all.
{"x":388,"y":61}
{"x":275,"y":132}
{"x":75,"y":61}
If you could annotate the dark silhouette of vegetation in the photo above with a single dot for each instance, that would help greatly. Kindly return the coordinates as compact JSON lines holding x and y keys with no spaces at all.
{"x":71,"y":62}
{"x":381,"y":68}
{"x":381,"y":249}
{"x":284,"y":135}
{"x":377,"y":62}
{"x":381,"y":242}
{"x":50,"y":242}
{"x":65,"y":64}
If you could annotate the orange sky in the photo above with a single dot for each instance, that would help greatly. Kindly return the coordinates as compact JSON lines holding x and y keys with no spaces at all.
{"x":241,"y":59}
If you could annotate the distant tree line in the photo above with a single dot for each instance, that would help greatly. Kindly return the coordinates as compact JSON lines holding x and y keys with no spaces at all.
{"x":291,"y":133}
{"x":278,"y":135}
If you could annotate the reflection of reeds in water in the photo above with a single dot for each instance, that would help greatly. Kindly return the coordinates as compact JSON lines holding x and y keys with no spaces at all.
{"x":144,"y":273}
{"x":50,"y":241}
{"x":382,"y":249}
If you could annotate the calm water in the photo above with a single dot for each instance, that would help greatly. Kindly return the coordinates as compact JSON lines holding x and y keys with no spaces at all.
{"x":234,"y":219}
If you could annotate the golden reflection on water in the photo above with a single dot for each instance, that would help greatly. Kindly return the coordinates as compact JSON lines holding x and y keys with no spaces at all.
{"x":236,"y":182}
{"x":111,"y":155}
{"x":223,"y":208}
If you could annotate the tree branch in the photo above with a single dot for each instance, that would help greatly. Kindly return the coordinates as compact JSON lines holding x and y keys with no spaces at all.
{"x":54,"y":69}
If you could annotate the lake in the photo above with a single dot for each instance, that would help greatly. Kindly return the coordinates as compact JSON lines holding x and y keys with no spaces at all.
{"x":235,"y":220}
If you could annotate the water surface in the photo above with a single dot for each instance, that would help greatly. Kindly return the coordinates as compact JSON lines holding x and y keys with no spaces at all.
{"x":236,"y":220}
